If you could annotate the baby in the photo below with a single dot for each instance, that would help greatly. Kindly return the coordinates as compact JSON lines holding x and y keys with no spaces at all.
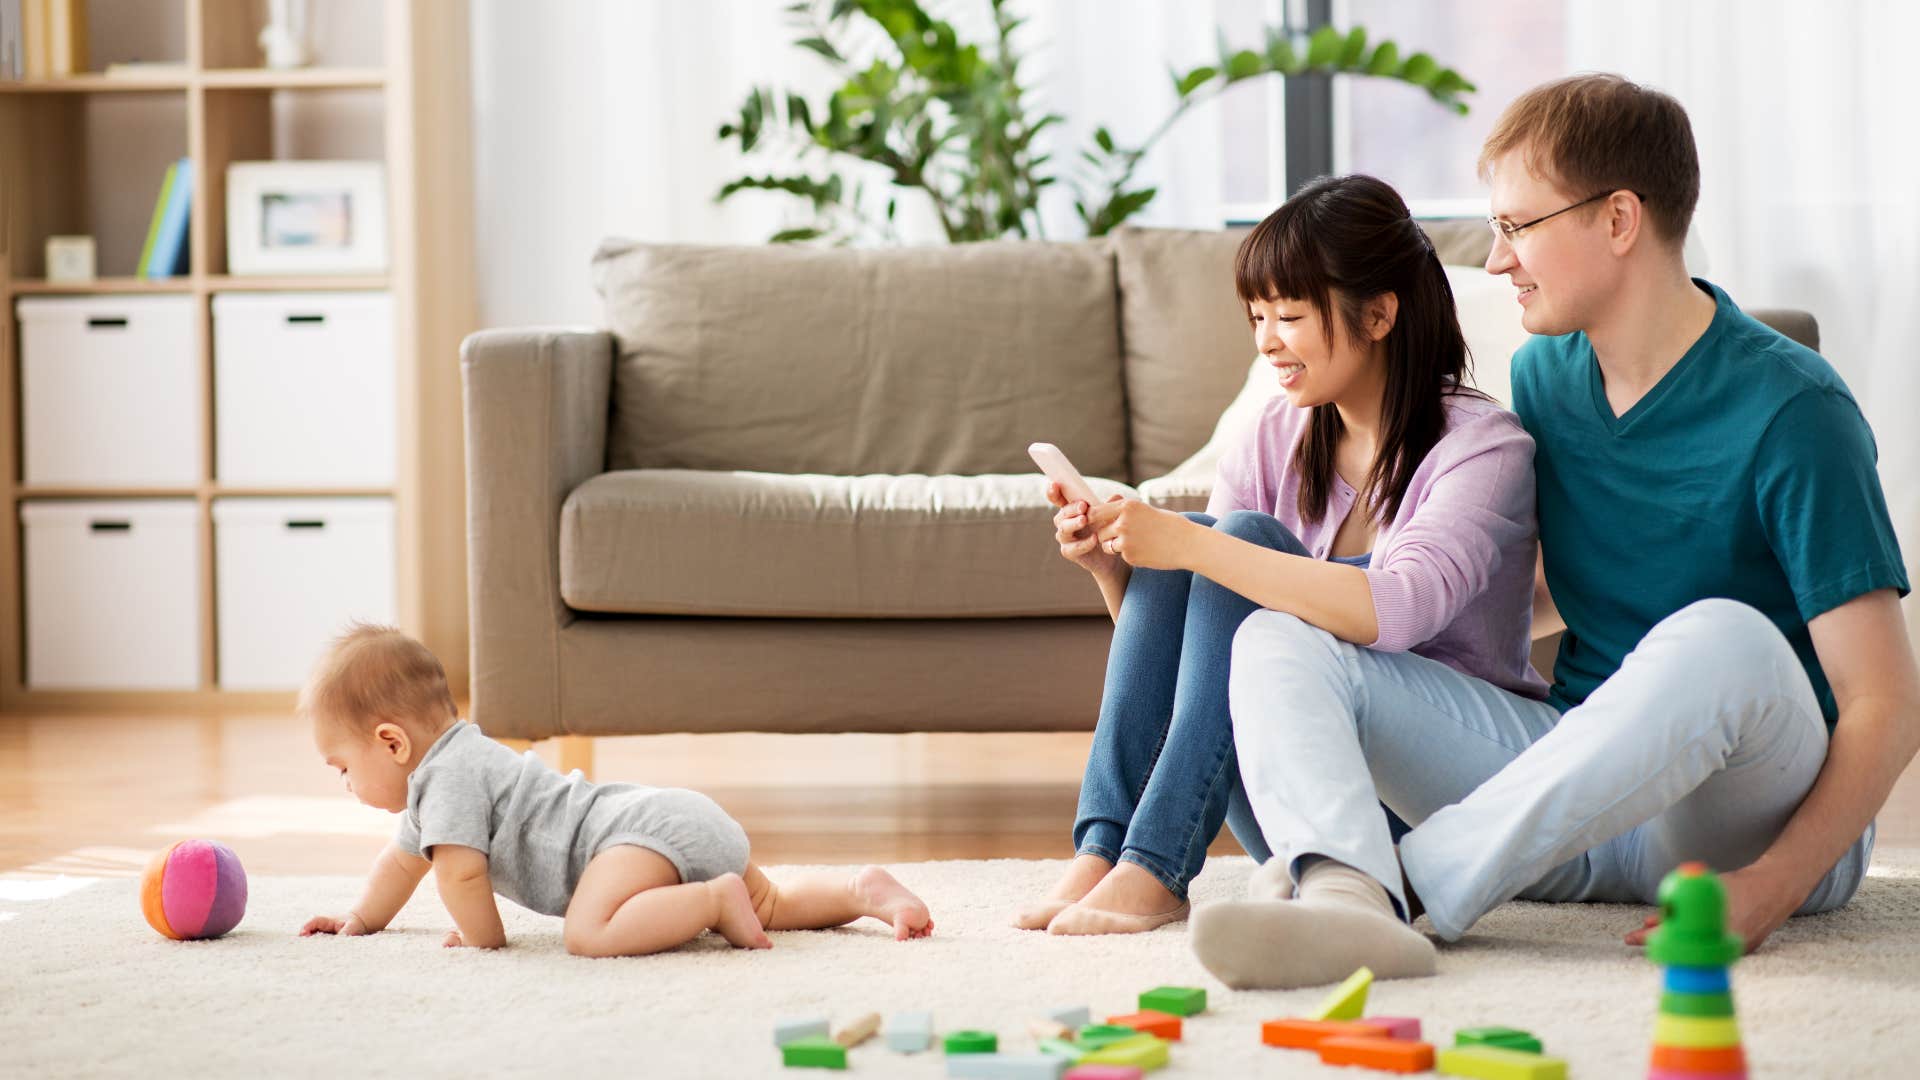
{"x":633,"y":869}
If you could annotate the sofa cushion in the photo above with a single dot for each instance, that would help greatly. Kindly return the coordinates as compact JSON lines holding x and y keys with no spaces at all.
{"x":847,"y":362}
{"x":673,"y":541}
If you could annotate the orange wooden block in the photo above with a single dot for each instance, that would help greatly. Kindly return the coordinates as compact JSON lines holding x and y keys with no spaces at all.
{"x":1387,"y":1055}
{"x":1309,"y":1034}
{"x":1165,"y":1025}
{"x":1731,"y":1059}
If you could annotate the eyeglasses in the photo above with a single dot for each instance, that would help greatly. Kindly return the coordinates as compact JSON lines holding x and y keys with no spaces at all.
{"x":1509,"y":231}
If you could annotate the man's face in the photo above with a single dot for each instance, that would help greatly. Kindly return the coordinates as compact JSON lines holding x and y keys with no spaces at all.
{"x":1564,"y":267}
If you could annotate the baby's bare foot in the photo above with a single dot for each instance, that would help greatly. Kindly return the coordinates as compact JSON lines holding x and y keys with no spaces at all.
{"x":883,"y":897}
{"x":736,"y":920}
{"x":1082,"y":875}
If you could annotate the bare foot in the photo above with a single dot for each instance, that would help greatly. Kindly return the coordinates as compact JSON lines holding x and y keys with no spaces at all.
{"x":1130,"y":890}
{"x":736,"y":920}
{"x":883,"y":897}
{"x":1083,"y":873}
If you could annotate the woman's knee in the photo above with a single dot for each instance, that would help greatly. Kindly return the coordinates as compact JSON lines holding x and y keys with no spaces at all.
{"x":1256,"y":527}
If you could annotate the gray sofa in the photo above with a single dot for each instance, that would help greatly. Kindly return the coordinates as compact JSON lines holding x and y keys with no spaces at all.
{"x":787,"y":489}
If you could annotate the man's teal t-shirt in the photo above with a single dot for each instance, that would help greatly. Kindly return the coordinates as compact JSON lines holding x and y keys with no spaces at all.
{"x":1747,"y":472}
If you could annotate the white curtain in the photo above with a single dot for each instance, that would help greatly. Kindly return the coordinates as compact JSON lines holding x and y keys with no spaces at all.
{"x":1810,"y":185}
{"x":595,"y":118}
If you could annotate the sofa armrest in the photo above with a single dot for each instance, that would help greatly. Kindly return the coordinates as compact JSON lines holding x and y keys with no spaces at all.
{"x":536,"y":404}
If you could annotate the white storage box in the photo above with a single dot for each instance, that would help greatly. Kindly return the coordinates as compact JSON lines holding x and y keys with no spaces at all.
{"x":110,"y":391}
{"x":289,"y":575}
{"x":304,"y":388}
{"x":113,"y":594}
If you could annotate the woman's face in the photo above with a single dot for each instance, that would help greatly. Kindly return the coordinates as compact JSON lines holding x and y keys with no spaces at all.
{"x":1313,"y":370}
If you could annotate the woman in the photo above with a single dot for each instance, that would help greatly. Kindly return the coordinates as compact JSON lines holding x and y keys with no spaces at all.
{"x":1377,"y":498}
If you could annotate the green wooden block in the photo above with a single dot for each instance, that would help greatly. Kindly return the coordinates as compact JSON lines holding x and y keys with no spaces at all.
{"x":1482,"y":1062}
{"x":971,"y":1042}
{"x":1348,"y":1000}
{"x":813,"y":1052}
{"x":1142,"y":1052}
{"x":1175,"y":1000}
{"x":1095,"y":1036}
{"x":1674,"y":1003}
{"x":1509,"y":1038}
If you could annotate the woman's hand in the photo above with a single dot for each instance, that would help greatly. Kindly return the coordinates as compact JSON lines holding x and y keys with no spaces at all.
{"x":1142,"y":535}
{"x":1078,"y":545}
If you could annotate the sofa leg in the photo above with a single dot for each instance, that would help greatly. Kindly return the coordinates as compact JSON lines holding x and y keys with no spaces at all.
{"x":576,"y":752}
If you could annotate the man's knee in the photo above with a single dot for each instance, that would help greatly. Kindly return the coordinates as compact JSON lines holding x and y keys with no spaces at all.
{"x":1727,"y":636}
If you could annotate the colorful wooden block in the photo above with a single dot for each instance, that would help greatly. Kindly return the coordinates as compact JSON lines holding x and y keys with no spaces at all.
{"x":1062,"y":1048}
{"x":1153,"y":1023}
{"x":971,"y":1042}
{"x":1696,"y":1032}
{"x":798,"y":1027}
{"x":858,"y":1031}
{"x":1175,"y":1000}
{"x":1483,"y":1062}
{"x":813,"y":1052}
{"x":1669,"y":1074}
{"x":1309,"y":1034}
{"x":1731,"y":1059}
{"x":1509,"y":1038}
{"x":1679,"y":1004}
{"x":1398,"y":1027}
{"x":1103,"y":1072}
{"x":1077,"y":1017}
{"x":1387,"y":1055}
{"x":1348,"y":1000}
{"x":1007,"y":1066}
{"x":909,"y":1033}
{"x":1095,"y":1036}
{"x":1698,"y":980}
{"x":1143,"y":1051}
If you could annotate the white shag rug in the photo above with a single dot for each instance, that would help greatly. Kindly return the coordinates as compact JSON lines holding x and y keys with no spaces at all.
{"x":86,"y":989}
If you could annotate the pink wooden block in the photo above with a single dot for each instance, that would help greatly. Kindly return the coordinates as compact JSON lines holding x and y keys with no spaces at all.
{"x":1398,"y":1027}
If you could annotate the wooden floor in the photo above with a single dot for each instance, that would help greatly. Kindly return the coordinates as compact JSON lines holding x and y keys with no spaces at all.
{"x":97,"y":795}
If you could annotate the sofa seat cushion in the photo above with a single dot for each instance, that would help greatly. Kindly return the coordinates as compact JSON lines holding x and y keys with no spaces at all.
{"x":688,"y":542}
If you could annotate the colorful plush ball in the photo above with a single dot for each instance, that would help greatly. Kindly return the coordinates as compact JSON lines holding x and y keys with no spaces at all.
{"x":193,"y":890}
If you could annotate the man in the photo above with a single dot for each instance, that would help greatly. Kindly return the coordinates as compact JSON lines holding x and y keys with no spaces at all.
{"x":1735,"y":685}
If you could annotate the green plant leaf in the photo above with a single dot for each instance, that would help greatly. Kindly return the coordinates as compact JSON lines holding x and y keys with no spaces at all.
{"x":1193,"y":80}
{"x":1245,"y":64}
{"x":823,"y":47}
{"x":1323,"y":47}
{"x":1354,"y":49}
{"x":1105,"y":138}
{"x":1280,"y":53}
{"x":794,"y":236}
{"x":1386,"y":59}
{"x":1420,"y":69}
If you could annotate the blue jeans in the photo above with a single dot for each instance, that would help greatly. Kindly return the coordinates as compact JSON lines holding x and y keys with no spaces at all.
{"x":1162,"y":775}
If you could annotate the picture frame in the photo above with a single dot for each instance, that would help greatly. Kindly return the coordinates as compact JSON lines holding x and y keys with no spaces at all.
{"x":306,"y":217}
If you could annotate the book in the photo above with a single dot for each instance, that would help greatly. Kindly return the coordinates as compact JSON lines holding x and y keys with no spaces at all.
{"x":13,"y":56}
{"x":170,"y":243}
{"x":153,"y":225}
{"x":33,"y":31}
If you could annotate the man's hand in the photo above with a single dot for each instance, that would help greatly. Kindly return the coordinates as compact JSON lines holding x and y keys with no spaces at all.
{"x":1757,"y":905}
{"x":351,"y":926}
{"x":1143,"y":535}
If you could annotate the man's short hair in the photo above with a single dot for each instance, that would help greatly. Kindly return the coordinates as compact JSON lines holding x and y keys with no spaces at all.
{"x":376,"y":673}
{"x":1598,"y":133}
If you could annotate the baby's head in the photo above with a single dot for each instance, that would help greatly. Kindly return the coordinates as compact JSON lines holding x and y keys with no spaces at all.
{"x":377,"y":701}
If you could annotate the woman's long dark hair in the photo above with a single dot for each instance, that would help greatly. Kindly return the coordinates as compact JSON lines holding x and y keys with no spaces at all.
{"x":1350,"y":239}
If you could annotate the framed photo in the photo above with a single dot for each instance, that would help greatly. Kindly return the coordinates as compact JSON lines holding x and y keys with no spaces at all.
{"x":306,"y":217}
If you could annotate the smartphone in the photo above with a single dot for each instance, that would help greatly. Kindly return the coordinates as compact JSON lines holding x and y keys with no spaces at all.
{"x":1061,"y":471}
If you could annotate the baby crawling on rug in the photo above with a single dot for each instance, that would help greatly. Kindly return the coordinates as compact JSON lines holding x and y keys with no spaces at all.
{"x":633,"y":869}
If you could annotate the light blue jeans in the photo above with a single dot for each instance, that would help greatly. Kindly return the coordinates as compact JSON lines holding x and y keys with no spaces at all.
{"x":1700,"y":747}
{"x":1161,"y":776}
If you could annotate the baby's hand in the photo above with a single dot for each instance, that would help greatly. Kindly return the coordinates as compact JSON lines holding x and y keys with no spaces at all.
{"x":351,"y":926}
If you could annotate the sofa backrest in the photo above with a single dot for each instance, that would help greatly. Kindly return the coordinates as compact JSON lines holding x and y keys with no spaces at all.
{"x":848,"y":362}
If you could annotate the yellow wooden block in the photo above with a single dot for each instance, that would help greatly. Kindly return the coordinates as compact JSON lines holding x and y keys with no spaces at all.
{"x":859,"y":1031}
{"x":1498,"y":1063}
{"x":1143,"y":1052}
{"x":1348,"y":1000}
{"x":1697,"y":1032}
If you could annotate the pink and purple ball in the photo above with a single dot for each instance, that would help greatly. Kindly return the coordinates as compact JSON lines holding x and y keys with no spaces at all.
{"x":195,"y":889}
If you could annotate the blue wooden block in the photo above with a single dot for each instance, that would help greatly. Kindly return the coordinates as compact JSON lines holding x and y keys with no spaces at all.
{"x":1008,"y":1066}
{"x":789,"y":1028}
{"x":910,"y":1033}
